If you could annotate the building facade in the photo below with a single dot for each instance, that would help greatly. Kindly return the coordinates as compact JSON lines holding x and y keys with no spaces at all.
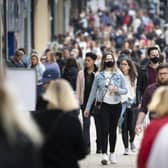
{"x":34,"y":23}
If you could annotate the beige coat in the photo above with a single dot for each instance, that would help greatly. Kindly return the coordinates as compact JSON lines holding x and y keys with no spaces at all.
{"x":80,"y":86}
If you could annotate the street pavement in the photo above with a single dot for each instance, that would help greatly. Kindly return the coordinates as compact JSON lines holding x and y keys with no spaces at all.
{"x":124,"y":161}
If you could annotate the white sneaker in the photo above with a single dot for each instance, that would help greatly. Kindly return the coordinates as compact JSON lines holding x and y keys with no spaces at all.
{"x":113,"y":158}
{"x":133,"y":147}
{"x":126,"y":152}
{"x":104,"y":160}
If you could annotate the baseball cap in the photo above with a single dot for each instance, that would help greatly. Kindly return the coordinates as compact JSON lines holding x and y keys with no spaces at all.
{"x":50,"y":74}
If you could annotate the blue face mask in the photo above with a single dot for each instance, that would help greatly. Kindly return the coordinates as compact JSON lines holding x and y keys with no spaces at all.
{"x":155,"y":60}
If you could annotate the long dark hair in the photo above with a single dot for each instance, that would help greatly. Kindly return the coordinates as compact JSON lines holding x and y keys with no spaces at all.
{"x":132,"y":71}
{"x":71,"y":62}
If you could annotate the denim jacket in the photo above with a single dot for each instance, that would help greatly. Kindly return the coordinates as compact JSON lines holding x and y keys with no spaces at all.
{"x":99,"y":88}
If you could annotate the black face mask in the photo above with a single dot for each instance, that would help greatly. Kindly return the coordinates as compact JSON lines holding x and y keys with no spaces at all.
{"x":155,"y":60}
{"x":109,"y":64}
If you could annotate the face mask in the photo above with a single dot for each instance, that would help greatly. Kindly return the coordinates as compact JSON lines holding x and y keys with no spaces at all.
{"x":109,"y":64}
{"x":155,"y":60}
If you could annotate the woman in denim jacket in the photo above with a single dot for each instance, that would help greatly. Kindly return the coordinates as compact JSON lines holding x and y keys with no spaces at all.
{"x":108,"y":86}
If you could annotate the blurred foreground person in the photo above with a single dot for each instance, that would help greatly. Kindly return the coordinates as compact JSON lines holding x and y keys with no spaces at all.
{"x":154,"y":146}
{"x":20,"y":138}
{"x":64,"y":144}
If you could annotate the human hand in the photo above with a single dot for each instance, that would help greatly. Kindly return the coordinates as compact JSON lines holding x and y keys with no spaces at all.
{"x":139,"y":106}
{"x":86,"y":113}
{"x":138,"y":129}
{"x":113,"y":89}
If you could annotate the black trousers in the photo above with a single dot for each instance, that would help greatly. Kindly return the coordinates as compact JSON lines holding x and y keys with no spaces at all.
{"x":86,"y":129}
{"x":128,"y":126}
{"x":109,"y":118}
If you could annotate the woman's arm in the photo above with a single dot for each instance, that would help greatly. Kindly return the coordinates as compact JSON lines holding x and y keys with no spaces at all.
{"x":122,"y":89}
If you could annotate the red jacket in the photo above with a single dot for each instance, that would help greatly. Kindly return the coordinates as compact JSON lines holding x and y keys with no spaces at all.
{"x":148,"y":140}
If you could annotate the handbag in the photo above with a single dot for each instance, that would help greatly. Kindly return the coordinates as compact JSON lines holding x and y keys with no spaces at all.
{"x":96,"y":108}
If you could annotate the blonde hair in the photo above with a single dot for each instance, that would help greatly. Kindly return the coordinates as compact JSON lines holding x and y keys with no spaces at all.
{"x":13,"y":116}
{"x":60,"y":95}
{"x":159,"y":103}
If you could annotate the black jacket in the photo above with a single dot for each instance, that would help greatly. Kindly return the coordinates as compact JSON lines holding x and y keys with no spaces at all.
{"x":64,"y":144}
{"x":19,"y":153}
{"x":142,"y":81}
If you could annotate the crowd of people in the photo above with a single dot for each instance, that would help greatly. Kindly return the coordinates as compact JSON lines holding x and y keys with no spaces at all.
{"x":114,"y":59}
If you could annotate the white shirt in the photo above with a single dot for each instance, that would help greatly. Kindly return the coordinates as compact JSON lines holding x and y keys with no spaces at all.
{"x":131,"y":94}
{"x":109,"y":96}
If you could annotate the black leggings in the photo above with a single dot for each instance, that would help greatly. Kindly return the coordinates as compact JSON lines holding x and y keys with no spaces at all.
{"x":128,"y":126}
{"x":109,"y":114}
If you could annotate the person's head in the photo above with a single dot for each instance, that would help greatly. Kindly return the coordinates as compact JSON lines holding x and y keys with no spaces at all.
{"x":128,"y":68}
{"x":162,"y":74}
{"x":23,"y":50}
{"x":18,"y":55}
{"x":107,"y":61}
{"x":126,"y":45}
{"x":34,"y":59}
{"x":71,"y":62}
{"x":50,"y":57}
{"x":153,"y":54}
{"x":60,"y":95}
{"x":75,"y":53}
{"x":90,"y":59}
{"x":159,"y":103}
{"x":58,"y":55}
{"x":48,"y":76}
{"x":66,"y":53}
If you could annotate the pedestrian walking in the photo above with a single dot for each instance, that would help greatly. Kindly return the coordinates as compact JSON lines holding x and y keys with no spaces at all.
{"x":64,"y":144}
{"x":162,"y":80}
{"x":107,"y":88}
{"x":84,"y":84}
{"x":147,"y":72}
{"x":128,"y":115}
{"x":70,"y":71}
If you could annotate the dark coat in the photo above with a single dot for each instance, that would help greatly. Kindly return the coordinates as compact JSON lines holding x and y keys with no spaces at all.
{"x":142,"y":82}
{"x":64,"y":144}
{"x":19,"y":153}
